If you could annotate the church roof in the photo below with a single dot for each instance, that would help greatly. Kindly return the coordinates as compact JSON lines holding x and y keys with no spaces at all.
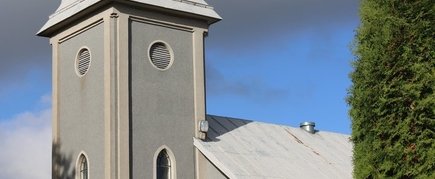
{"x":252,"y":150}
{"x":69,"y":8}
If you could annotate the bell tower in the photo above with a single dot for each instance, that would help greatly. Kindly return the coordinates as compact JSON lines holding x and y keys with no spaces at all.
{"x":128,"y":87}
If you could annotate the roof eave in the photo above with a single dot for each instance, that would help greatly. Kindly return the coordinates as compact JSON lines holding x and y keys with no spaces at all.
{"x":58,"y":20}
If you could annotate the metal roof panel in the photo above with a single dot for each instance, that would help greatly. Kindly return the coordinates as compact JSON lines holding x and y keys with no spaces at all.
{"x":249,"y":149}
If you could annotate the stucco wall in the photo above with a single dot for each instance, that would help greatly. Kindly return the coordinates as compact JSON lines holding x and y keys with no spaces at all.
{"x":162,"y":102}
{"x":81,"y":102}
{"x":208,"y":170}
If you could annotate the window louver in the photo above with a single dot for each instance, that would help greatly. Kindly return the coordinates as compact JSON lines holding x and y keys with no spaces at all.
{"x":160,"y":55}
{"x":83,"y":62}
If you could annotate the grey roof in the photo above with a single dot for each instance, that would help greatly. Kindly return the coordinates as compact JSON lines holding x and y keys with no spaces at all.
{"x":69,"y":8}
{"x":251,"y":150}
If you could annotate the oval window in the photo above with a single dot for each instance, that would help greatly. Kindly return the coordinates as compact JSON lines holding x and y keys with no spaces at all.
{"x":160,"y":55}
{"x":83,"y":62}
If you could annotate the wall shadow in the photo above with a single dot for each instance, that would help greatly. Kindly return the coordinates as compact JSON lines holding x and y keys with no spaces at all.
{"x":219,"y":126}
{"x":62,"y":164}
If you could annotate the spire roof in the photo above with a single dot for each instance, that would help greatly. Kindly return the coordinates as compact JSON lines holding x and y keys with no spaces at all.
{"x":69,"y":8}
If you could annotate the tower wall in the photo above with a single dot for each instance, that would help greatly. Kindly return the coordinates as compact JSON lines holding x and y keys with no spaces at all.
{"x":81,"y":101}
{"x":162,"y":102}
{"x":124,"y":110}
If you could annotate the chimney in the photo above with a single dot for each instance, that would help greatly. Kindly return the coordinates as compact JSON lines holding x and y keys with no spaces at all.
{"x":308,"y":126}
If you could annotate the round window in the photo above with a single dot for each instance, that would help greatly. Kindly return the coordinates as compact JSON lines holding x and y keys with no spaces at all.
{"x":83,"y":62}
{"x":160,"y":55}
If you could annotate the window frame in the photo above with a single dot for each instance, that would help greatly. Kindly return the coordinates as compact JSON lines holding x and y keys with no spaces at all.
{"x":170,"y":50}
{"x":173,"y":166}
{"x":78,"y":173}
{"x":77,"y":59}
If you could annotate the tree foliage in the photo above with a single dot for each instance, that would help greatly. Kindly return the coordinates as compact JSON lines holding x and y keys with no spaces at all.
{"x":392,"y":97}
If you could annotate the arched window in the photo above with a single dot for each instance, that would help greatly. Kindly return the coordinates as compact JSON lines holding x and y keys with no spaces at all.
{"x":83,"y":167}
{"x":163,"y":165}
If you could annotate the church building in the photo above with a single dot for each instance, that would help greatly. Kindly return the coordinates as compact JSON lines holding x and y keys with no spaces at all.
{"x":129,"y":102}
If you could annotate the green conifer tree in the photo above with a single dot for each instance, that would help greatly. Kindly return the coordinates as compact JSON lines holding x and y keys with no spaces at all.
{"x":392,"y":97}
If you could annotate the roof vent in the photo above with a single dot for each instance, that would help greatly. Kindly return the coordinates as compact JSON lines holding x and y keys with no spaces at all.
{"x":160,"y":55}
{"x":83,"y":61}
{"x":308,"y":126}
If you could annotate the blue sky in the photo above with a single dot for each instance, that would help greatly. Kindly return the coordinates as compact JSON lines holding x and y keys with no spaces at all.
{"x":282,"y":62}
{"x":277,"y":61}
{"x":287,"y":82}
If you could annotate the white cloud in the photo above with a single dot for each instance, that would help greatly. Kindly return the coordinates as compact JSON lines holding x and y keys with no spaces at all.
{"x":46,"y":99}
{"x":25,"y":146}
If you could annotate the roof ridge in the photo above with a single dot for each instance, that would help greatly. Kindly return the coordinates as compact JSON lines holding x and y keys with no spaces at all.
{"x":69,"y":6}
{"x":195,"y":3}
{"x":216,"y":117}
